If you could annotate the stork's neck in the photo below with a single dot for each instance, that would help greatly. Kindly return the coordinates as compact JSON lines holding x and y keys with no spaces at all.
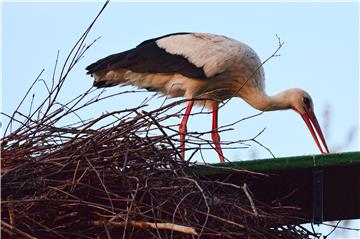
{"x":263,"y":102}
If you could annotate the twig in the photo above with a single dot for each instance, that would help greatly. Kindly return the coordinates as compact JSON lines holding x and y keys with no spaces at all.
{"x":152,"y":225}
{"x":16,"y":230}
{"x":246,"y":191}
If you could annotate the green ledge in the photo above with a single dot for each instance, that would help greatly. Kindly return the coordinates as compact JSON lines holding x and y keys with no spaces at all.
{"x":286,"y":163}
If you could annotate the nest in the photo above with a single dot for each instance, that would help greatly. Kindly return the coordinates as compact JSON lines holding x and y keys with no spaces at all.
{"x":118,"y":182}
{"x":118,"y":176}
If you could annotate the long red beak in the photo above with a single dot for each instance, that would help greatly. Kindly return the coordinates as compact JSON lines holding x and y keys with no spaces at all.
{"x":311,"y":122}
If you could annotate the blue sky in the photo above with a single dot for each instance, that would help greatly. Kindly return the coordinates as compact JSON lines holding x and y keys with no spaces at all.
{"x":320,"y":55}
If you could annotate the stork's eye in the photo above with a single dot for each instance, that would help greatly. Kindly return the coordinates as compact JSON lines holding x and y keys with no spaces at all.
{"x":307,"y":102}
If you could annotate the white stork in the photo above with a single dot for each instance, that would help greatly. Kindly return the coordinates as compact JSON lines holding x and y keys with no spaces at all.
{"x":202,"y":66}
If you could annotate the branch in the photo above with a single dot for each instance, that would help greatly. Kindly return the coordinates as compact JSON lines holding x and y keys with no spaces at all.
{"x":151,"y":225}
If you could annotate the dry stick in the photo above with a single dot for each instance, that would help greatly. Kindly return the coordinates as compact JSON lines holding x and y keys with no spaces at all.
{"x":177,"y":207}
{"x":128,"y":209}
{"x":220,"y":168}
{"x":65,"y":216}
{"x":164,"y":133}
{"x":107,"y":230}
{"x":246,"y":191}
{"x":342,"y":227}
{"x":69,"y":111}
{"x":98,"y":98}
{"x":11,"y":118}
{"x":152,"y":225}
{"x":71,"y":202}
{"x":54,"y":72}
{"x":7,"y":231}
{"x":205,"y":200}
{"x":77,"y":45}
{"x":46,"y":86}
{"x":52,"y":230}
{"x":242,"y":119}
{"x":254,"y":139}
{"x":17,"y":230}
{"x":31,"y":104}
{"x":51,"y":101}
{"x":101,"y":182}
{"x":16,"y":134}
{"x":11,"y":212}
{"x":86,"y":127}
{"x":66,"y":193}
{"x":221,"y":219}
{"x":22,"y":101}
{"x":194,"y":152}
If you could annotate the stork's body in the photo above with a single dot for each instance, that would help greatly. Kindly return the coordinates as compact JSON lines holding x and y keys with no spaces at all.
{"x":201,"y":66}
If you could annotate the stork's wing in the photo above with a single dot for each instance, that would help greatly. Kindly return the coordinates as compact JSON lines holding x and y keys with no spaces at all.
{"x":194,"y":55}
{"x":148,"y":57}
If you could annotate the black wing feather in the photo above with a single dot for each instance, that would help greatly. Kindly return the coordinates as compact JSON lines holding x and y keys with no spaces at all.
{"x":148,"y":57}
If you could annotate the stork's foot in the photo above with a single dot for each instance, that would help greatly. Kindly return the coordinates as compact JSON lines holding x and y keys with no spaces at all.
{"x":216,"y":139}
{"x":183,"y":129}
{"x":215,"y":134}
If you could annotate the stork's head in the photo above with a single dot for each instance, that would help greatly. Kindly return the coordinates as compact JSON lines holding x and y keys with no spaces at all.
{"x":302,"y":103}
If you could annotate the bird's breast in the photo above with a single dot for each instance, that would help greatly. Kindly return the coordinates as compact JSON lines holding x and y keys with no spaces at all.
{"x":177,"y":85}
{"x":173,"y":85}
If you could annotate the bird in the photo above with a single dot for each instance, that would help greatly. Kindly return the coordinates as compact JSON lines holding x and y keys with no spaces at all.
{"x":208,"y":67}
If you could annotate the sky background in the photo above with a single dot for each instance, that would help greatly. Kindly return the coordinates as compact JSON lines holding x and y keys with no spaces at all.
{"x":320,"y":55}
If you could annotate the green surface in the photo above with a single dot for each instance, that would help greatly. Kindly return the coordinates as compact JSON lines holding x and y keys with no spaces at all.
{"x":297,"y":162}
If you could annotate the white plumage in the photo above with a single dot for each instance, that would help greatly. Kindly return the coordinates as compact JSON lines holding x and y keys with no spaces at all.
{"x":215,"y":54}
{"x":205,"y":66}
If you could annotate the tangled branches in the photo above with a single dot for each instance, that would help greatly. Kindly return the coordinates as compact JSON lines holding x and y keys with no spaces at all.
{"x":121,"y":181}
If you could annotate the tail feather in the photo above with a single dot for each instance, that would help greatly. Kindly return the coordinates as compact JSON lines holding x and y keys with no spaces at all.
{"x":106,"y":71}
{"x":104,"y":83}
{"x":106,"y":63}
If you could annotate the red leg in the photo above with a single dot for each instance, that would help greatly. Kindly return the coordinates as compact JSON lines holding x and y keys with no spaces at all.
{"x":182,"y":128}
{"x":214,"y":133}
